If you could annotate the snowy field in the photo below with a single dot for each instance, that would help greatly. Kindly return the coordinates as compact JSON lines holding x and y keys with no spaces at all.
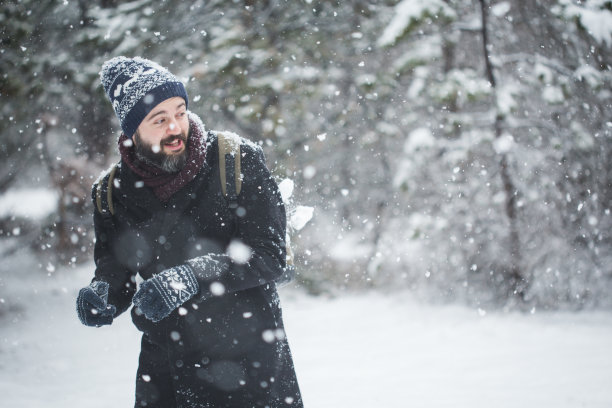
{"x":354,"y":351}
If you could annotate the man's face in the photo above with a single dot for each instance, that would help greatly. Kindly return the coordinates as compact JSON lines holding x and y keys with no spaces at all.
{"x":161,"y":138}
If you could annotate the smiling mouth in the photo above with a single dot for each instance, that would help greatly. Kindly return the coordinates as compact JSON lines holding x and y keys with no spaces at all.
{"x":174,"y":145}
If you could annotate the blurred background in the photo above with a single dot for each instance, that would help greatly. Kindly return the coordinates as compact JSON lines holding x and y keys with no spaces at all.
{"x":455,"y":150}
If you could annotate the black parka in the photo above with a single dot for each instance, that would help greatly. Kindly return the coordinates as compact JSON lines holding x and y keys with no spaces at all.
{"x":226,"y":346}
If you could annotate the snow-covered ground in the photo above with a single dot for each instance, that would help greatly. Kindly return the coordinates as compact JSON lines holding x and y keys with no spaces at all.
{"x":354,"y":351}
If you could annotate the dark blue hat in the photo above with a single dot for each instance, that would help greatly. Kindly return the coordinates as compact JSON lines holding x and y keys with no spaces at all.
{"x":135,"y":86}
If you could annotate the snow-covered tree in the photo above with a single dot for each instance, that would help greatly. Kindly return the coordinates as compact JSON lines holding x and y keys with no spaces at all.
{"x":460,"y":147}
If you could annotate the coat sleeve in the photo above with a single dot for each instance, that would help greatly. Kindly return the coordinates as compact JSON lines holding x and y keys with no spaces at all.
{"x":257,"y":255}
{"x":121,"y":281}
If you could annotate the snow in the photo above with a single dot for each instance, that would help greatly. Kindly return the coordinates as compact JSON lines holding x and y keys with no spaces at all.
{"x":286,"y":189}
{"x":419,"y":53}
{"x":598,"y":23}
{"x":594,"y":17}
{"x":419,"y":139}
{"x":505,"y":99}
{"x":500,"y":9}
{"x":390,"y":352}
{"x":504,"y":144}
{"x":588,"y":74}
{"x":301,"y":216}
{"x":349,"y":247}
{"x":239,"y":252}
{"x":553,"y":95}
{"x":31,"y":203}
{"x":298,"y":215}
{"x":217,"y":288}
{"x":359,"y":350}
{"x":407,"y":12}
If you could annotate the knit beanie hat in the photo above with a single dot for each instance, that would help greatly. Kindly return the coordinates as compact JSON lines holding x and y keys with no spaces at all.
{"x":135,"y":86}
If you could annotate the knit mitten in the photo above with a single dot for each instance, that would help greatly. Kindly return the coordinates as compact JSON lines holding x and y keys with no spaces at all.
{"x":92,"y":305}
{"x":164,"y":292}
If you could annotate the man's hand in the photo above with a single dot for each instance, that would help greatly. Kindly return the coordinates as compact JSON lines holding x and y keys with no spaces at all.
{"x":164,"y":292}
{"x":92,"y":305}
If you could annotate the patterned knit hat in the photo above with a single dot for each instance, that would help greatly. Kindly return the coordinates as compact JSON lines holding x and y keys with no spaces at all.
{"x":135,"y":86}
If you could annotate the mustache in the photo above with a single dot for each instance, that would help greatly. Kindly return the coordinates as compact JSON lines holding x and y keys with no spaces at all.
{"x":172,"y":138}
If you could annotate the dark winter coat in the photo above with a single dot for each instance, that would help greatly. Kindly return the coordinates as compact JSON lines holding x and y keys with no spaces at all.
{"x":226,"y":346}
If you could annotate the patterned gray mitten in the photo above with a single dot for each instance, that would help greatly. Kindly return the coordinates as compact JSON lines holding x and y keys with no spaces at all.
{"x":92,"y":305}
{"x":164,"y":292}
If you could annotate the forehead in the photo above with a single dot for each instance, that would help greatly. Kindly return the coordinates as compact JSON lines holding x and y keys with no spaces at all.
{"x":169,"y":105}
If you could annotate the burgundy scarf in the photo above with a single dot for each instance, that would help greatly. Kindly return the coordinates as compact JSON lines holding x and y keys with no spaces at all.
{"x":164,"y":184}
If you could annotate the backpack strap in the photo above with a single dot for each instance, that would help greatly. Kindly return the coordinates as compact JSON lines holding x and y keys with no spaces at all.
{"x":229,"y":167}
{"x":231,"y":184}
{"x":104,"y":194}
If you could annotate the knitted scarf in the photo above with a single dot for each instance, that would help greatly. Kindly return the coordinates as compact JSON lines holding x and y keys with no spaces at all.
{"x":164,"y":184}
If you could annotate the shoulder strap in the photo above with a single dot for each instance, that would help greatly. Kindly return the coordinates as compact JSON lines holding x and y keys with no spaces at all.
{"x":104,"y":193}
{"x":229,"y":167}
{"x":231,"y":184}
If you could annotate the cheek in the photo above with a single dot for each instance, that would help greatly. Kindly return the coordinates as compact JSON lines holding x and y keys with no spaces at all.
{"x":184,"y":122}
{"x":151,"y":137}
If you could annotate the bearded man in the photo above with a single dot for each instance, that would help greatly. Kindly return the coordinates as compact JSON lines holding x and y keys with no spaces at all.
{"x":213,"y":334}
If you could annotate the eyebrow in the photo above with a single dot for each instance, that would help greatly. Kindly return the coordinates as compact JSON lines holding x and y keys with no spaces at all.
{"x":162,"y":112}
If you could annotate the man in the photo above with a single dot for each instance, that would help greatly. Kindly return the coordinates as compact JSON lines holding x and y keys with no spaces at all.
{"x":212,"y":328}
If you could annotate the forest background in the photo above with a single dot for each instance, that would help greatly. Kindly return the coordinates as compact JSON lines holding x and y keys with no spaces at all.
{"x":456,"y":149}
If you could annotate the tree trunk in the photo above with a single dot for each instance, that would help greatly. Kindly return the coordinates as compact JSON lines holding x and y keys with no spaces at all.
{"x":518,"y":282}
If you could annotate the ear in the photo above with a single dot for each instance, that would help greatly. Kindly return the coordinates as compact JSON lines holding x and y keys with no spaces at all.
{"x":136,"y":137}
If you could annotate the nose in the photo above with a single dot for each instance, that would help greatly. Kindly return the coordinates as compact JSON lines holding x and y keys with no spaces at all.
{"x":173,"y":127}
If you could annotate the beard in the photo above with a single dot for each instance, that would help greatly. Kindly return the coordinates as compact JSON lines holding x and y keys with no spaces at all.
{"x":155,"y":156}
